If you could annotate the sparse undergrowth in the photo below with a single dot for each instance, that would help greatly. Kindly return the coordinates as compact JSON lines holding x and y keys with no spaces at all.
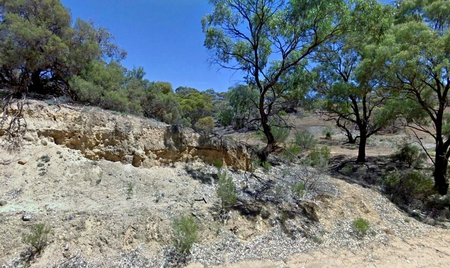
{"x":36,"y":241}
{"x":185,"y":233}
{"x":361,"y":226}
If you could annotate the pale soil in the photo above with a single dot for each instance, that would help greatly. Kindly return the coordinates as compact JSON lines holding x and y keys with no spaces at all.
{"x":93,"y":214}
{"x":430,"y":250}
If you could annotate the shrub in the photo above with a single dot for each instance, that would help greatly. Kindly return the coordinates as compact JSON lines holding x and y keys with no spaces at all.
{"x":305,"y":139}
{"x":225,"y":117}
{"x":361,"y":226}
{"x":405,"y":187}
{"x":409,"y":154}
{"x":319,"y":157}
{"x":298,"y":188}
{"x":218,"y":163}
{"x":205,"y":125}
{"x":38,"y":238}
{"x":291,"y":151}
{"x":184,"y":233}
{"x":280,"y":134}
{"x":266,"y":165}
{"x":327,"y":132}
{"x":226,"y":190}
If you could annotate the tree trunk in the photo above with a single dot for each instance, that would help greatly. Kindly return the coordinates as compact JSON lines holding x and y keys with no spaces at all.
{"x":362,"y":144}
{"x":440,"y":170}
{"x":36,"y":85}
{"x":270,"y":147}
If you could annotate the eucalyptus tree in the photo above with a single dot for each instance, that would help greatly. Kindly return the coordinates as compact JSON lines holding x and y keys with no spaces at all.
{"x":265,"y":39}
{"x":348,"y":92}
{"x":40,"y":49}
{"x":417,"y":54}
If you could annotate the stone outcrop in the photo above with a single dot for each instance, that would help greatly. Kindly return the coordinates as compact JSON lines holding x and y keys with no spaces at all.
{"x":139,"y":141}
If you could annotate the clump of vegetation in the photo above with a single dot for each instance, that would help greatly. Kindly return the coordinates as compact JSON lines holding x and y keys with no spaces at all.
{"x":319,"y":157}
{"x":130,"y":187}
{"x":361,"y":226}
{"x":291,"y":151}
{"x":328,"y":133}
{"x":226,"y":190}
{"x":266,"y":165}
{"x":404,"y":187}
{"x":37,"y":239}
{"x":205,"y":125}
{"x":218,"y":163}
{"x":279,"y":131}
{"x":298,"y":188}
{"x":409,"y":154}
{"x":185,"y":233}
{"x":305,"y":139}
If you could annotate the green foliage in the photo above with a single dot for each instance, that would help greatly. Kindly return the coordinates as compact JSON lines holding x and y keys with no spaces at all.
{"x":40,"y":50}
{"x":218,"y":163}
{"x":161,"y":103}
{"x":298,"y":188}
{"x":280,"y":39}
{"x":319,"y":157}
{"x":194,"y":104}
{"x":185,"y":233}
{"x":361,"y":226}
{"x":241,"y":99}
{"x":226,"y":190}
{"x":266,"y":165}
{"x":130,"y":190}
{"x":305,"y":139}
{"x":205,"y":125}
{"x":328,"y":133}
{"x":225,"y":117}
{"x":38,"y":237}
{"x":404,"y":187}
{"x":279,"y":132}
{"x":291,"y":151}
{"x":409,"y":154}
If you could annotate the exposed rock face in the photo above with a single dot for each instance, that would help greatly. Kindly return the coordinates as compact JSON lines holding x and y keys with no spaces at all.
{"x":100,"y":134}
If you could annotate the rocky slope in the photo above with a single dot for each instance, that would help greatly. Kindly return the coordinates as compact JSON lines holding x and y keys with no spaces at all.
{"x":110,"y":185}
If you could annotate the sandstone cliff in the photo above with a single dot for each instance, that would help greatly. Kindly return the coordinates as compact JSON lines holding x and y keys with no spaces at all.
{"x":139,"y":141}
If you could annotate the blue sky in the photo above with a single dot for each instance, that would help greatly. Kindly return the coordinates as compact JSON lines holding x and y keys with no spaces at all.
{"x":163,"y":36}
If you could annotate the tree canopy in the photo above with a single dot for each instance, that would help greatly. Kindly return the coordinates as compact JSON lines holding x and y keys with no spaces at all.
{"x":267,"y":39}
{"x":40,"y":49}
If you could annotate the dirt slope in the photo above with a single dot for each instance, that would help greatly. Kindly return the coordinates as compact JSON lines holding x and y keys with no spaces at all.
{"x":111,"y":214}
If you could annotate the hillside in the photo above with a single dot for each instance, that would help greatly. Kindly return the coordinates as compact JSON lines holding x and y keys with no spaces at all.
{"x":110,"y":185}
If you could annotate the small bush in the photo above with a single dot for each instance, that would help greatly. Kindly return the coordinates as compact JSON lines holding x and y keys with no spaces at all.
{"x":38,"y":238}
{"x":225,"y":117}
{"x":409,"y":154}
{"x":319,"y":157}
{"x":298,"y":188}
{"x":184,"y":233}
{"x":226,"y":190}
{"x":266,"y":165}
{"x":280,"y":134}
{"x":218,"y":163}
{"x":328,"y":133}
{"x":403,"y":188}
{"x":291,"y":151}
{"x":305,"y":139}
{"x":361,"y":226}
{"x":205,"y":125}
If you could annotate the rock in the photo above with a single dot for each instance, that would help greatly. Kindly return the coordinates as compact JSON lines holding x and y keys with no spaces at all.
{"x":27,"y":217}
{"x":310,"y":210}
{"x":21,"y":162}
{"x":28,"y":137}
{"x":3,"y":203}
